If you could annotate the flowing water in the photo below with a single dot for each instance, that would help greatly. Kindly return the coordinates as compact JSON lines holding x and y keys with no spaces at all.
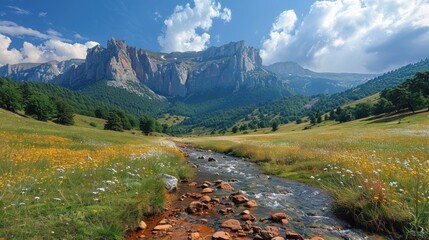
{"x":308,"y":207}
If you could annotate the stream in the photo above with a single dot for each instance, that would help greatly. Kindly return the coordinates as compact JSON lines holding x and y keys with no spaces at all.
{"x":307,"y":207}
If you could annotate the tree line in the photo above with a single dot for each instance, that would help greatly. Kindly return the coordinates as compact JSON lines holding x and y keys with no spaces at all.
{"x":411,"y":95}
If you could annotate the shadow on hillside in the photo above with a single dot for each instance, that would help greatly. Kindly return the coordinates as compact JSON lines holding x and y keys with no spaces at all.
{"x":386,"y":118}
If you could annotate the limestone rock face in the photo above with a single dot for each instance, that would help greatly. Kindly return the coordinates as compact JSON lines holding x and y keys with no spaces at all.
{"x":231,"y":67}
{"x":38,"y":72}
{"x":228,"y":68}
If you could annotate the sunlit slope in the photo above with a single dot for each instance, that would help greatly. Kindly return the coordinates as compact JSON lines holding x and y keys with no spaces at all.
{"x":74,"y":182}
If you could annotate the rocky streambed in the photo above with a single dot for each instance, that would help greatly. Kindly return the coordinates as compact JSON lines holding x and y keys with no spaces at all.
{"x":231,"y":198}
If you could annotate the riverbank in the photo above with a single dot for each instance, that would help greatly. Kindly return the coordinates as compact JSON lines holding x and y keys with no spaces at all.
{"x":375,"y":171}
{"x":225,"y":184}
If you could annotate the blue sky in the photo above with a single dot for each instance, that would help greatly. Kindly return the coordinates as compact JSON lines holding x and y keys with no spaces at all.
{"x":328,"y":35}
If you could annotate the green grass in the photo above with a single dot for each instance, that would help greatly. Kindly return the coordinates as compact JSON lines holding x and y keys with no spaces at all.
{"x":171,"y":120}
{"x":376,"y":168}
{"x":71,"y":182}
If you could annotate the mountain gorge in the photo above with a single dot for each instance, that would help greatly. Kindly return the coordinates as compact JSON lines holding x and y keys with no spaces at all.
{"x":232,"y":67}
{"x":306,"y":82}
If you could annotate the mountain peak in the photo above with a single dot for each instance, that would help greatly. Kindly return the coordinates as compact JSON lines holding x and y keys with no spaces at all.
{"x":284,"y":68}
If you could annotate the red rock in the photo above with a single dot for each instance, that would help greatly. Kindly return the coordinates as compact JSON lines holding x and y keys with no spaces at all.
{"x":196,"y":206}
{"x":163,"y":227}
{"x":251,"y":204}
{"x":225,"y":186}
{"x":285,"y":221}
{"x":194,"y":236}
{"x":195,"y":195}
{"x":238,"y":199}
{"x":205,"y":199}
{"x":277,"y":217}
{"x":163,"y":221}
{"x":269,"y":232}
{"x":221,"y":235}
{"x":204,"y":220}
{"x":207,"y":190}
{"x":291,"y":235}
{"x":225,"y":211}
{"x":278,"y":238}
{"x":248,"y":217}
{"x":232,"y":224}
{"x":245,"y":212}
{"x":193,"y":184}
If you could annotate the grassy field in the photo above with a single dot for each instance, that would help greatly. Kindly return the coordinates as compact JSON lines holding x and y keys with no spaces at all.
{"x":74,"y":182}
{"x":376,"y":169}
{"x":170,"y":120}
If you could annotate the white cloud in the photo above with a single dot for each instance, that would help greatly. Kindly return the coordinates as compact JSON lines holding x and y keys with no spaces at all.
{"x":43,"y":14}
{"x":51,"y":49}
{"x":79,"y":37}
{"x":6,"y":55}
{"x":19,"y":11}
{"x":351,"y":35}
{"x":2,"y":14}
{"x":181,"y":27}
{"x":13,"y":29}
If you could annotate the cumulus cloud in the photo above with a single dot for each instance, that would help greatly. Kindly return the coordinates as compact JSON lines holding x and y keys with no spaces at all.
{"x":351,"y":35}
{"x":182,"y":26}
{"x":54,"y":46}
{"x":52,"y":49}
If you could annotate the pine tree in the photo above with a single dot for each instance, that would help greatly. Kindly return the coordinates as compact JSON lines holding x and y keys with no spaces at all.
{"x":147,"y":125}
{"x":64,"y":114}
{"x":113,"y":122}
{"x":39,"y":106}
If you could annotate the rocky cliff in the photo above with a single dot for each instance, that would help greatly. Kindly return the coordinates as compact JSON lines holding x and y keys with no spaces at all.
{"x":231,"y":67}
{"x":38,"y":72}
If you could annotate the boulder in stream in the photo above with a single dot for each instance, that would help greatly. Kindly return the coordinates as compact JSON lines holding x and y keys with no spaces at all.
{"x":170,"y":182}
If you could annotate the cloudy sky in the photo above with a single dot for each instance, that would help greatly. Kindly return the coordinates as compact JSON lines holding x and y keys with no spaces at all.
{"x":331,"y":35}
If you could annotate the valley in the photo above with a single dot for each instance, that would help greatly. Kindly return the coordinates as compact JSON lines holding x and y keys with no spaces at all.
{"x":348,"y":165}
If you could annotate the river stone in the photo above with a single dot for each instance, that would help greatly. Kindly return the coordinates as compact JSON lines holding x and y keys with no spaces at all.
{"x":170,"y":182}
{"x":277,"y":217}
{"x":195,"y":236}
{"x":196,"y":206}
{"x":248,"y":217}
{"x":225,"y":186}
{"x":193,"y":184}
{"x":269,"y":232}
{"x":232,"y":224}
{"x":163,"y":227}
{"x":245,"y":212}
{"x":293,"y":236}
{"x":221,"y":235}
{"x":237,"y":199}
{"x":251,"y":204}
{"x":207,"y":190}
{"x":142,"y":225}
{"x":205,"y":199}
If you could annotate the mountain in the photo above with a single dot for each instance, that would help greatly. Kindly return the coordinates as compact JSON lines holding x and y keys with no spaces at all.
{"x":38,"y":72}
{"x":306,"y":82}
{"x":232,"y":67}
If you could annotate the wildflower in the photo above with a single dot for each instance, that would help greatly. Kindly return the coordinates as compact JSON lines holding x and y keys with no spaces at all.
{"x":312,"y":177}
{"x":57,"y":199}
{"x":36,"y":198}
{"x":101,"y":189}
